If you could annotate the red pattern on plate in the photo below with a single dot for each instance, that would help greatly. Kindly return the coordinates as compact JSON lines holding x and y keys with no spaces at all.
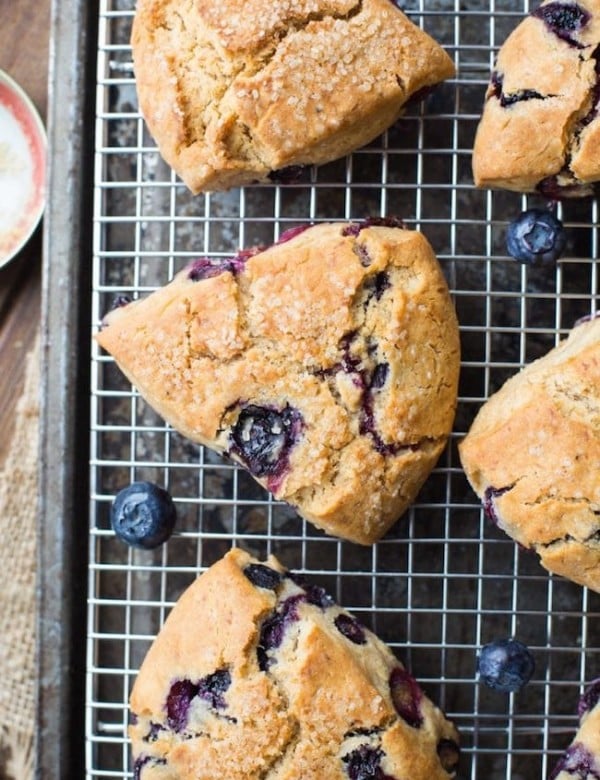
{"x":21,"y":109}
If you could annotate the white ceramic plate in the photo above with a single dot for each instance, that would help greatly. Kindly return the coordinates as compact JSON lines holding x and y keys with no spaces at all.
{"x":22,"y":168}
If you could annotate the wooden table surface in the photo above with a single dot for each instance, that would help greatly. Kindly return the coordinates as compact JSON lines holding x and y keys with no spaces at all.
{"x":24,"y":40}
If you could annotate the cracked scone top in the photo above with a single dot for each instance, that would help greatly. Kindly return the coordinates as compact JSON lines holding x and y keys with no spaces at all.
{"x":582,"y":758}
{"x":533,"y":456}
{"x":327,"y":365}
{"x":256,"y":676}
{"x":235,"y":91}
{"x":540,"y":127}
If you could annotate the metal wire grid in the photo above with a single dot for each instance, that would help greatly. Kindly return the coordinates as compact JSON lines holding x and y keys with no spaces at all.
{"x":444,"y":581}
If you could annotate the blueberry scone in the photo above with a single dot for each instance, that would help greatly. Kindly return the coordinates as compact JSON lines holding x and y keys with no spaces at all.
{"x":235,"y":91}
{"x":256,"y":676}
{"x":327,"y":365}
{"x":581,"y":760}
{"x":533,"y":456}
{"x":540,"y":128}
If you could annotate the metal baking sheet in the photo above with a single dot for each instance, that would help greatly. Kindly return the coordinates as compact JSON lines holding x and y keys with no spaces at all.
{"x":444,"y":581}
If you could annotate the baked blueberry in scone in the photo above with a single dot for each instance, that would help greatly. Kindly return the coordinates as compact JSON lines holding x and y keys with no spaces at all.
{"x":252,"y":678}
{"x":326,"y":365}
{"x":581,"y":760}
{"x":540,"y":127}
{"x":251,"y":90}
{"x":533,"y":456}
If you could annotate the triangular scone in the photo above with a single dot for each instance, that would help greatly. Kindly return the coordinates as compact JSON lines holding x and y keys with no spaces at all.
{"x":533,"y":456}
{"x":257,"y":676}
{"x":235,"y":91}
{"x":540,"y":128}
{"x":326,"y":364}
{"x":582,"y":758}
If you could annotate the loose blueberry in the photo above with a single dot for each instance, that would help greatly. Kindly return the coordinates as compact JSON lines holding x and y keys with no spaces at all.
{"x":563,"y":19}
{"x":449,"y":754}
{"x":536,"y":234}
{"x":364,"y":763}
{"x":262,"y":438}
{"x":578,"y":762}
{"x":406,"y":697}
{"x":143,"y":515}
{"x":590,"y":698}
{"x":351,"y":629}
{"x":262,"y":576}
{"x":506,"y":665}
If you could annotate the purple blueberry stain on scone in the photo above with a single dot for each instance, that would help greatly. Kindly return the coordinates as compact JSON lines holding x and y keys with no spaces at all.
{"x":153,"y":732}
{"x":354,"y":228}
{"x":210,"y":689}
{"x":273,"y":629}
{"x":590,"y":698}
{"x":489,"y":502}
{"x":563,"y":186}
{"x":509,"y":99}
{"x":376,"y":285}
{"x":364,"y":763}
{"x":578,"y":762}
{"x":361,"y":251}
{"x":349,"y":627}
{"x":143,"y":761}
{"x":262,"y":576}
{"x":406,"y":697}
{"x":379,"y":376}
{"x":291,"y":233}
{"x":207,"y":268}
{"x":179,"y":700}
{"x":318,"y":596}
{"x":263,"y":437}
{"x":564,"y":20}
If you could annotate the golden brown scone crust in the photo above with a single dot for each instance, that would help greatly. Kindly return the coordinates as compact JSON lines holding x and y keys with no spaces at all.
{"x":533,"y":456}
{"x":233,"y":91}
{"x":540,"y":127}
{"x":583,"y":753}
{"x":298,"y":709}
{"x":355,"y":332}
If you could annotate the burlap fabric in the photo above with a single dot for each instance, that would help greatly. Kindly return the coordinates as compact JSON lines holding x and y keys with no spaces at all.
{"x":18,"y":505}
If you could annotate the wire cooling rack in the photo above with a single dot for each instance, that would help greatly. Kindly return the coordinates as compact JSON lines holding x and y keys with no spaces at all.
{"x":443,"y":582}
